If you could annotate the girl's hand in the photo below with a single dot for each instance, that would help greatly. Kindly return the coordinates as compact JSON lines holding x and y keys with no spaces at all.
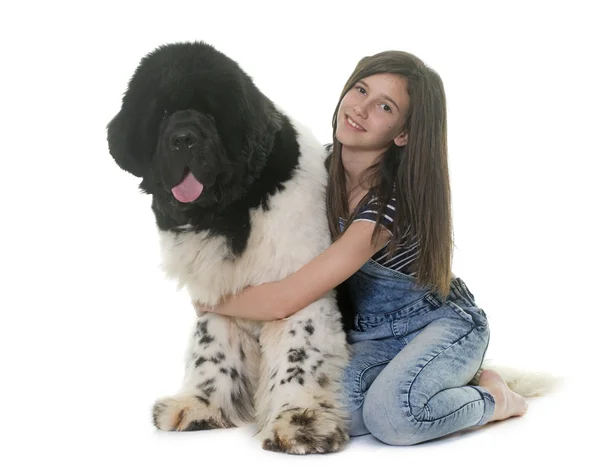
{"x":260,"y":303}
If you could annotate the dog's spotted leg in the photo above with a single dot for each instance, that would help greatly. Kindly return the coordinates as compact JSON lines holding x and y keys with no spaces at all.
{"x":220,"y":379}
{"x":298,"y":407}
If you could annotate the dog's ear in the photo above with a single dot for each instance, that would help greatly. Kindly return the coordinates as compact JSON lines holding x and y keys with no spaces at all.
{"x":261,"y":134}
{"x":119,"y":135}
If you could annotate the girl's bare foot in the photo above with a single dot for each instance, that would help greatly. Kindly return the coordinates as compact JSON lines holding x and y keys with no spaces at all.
{"x":508,"y":403}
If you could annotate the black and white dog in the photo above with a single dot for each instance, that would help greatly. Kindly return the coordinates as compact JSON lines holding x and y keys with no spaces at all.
{"x":238,"y":190}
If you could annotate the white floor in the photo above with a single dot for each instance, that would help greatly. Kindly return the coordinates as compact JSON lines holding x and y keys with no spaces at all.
{"x":98,"y":422}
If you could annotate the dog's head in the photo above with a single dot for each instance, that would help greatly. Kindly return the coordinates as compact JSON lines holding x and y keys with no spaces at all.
{"x":193,"y":126}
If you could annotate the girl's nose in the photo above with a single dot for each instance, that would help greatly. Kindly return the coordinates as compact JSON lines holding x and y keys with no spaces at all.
{"x":359,"y":111}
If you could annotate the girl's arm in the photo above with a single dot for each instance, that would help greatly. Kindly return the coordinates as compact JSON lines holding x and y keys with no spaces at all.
{"x":283,"y":298}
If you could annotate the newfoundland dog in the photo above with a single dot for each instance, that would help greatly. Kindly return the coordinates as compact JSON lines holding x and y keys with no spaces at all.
{"x":238,"y":192}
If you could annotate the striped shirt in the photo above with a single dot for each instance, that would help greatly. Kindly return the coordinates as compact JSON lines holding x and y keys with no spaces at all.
{"x":403,"y":259}
{"x":405,"y":256}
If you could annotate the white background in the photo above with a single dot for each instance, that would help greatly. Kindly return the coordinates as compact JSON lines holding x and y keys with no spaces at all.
{"x":92,"y":333}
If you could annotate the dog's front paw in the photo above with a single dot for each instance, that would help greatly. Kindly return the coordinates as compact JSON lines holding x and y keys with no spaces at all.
{"x":303,"y":431}
{"x":188,"y":413}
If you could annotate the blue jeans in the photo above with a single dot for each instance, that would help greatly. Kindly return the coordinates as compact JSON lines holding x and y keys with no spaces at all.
{"x":413,"y":356}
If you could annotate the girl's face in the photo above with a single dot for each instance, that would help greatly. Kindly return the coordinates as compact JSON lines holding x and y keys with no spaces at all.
{"x":371,"y":114}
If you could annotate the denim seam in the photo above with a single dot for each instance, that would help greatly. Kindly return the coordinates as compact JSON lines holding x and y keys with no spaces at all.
{"x":390,"y":422}
{"x":426,"y":364}
{"x":398,"y":327}
{"x":483,"y":398}
{"x":425,"y":304}
{"x":360,"y":376}
{"x":467,"y":318}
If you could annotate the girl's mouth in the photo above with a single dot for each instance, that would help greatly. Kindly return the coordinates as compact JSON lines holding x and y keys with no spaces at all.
{"x":354,"y":125}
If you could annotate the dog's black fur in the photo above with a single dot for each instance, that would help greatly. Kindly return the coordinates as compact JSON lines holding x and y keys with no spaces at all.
{"x":246,"y":149}
{"x":242,"y":149}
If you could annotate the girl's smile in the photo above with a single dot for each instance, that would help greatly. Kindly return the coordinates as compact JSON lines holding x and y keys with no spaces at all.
{"x":354,"y":125}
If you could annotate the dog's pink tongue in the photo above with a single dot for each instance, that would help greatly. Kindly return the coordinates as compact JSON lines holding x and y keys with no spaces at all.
{"x":188,"y":190}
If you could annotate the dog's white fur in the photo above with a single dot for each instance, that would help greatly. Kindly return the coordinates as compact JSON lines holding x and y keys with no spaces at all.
{"x":296,"y":415}
{"x":292,"y":232}
{"x":526,"y":384}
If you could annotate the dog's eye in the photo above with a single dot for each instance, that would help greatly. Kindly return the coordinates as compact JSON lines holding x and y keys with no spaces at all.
{"x":165,"y":113}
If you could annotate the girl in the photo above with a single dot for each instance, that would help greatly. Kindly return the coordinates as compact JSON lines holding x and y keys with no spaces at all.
{"x":418,"y":337}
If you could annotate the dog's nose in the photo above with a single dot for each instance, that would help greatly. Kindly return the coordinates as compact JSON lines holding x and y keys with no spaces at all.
{"x":183,"y":139}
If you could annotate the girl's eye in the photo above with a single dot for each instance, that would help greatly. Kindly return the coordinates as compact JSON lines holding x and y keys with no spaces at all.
{"x":361,"y":90}
{"x":386,"y":108}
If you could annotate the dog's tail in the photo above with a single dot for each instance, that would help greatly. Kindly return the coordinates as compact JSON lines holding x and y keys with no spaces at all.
{"x":527,"y":384}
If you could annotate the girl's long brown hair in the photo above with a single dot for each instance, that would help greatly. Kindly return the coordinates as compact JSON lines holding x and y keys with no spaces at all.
{"x":416,"y":174}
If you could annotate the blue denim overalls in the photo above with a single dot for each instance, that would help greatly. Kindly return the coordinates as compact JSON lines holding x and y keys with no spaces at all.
{"x":413,"y":356}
